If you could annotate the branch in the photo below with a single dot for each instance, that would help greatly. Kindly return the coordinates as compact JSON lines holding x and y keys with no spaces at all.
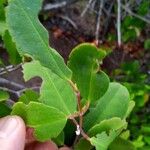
{"x":69,"y":20}
{"x":23,"y":90}
{"x":134,"y":14}
{"x":86,"y":8}
{"x":9,"y":68}
{"x":107,"y":21}
{"x":57,"y":5}
{"x":11,"y":83}
{"x":18,"y":92}
{"x":6,"y":68}
{"x":99,"y":21}
{"x":119,"y":22}
{"x":10,"y":91}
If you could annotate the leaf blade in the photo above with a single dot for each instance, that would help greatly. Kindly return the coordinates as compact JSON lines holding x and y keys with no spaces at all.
{"x":3,"y":96}
{"x":102,"y":141}
{"x":115,"y":124}
{"x":113,"y":104}
{"x":55,"y":91}
{"x":31,"y":37}
{"x":47,"y":121}
{"x":84,"y":63}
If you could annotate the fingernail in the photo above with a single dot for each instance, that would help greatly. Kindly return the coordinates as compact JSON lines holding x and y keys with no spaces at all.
{"x":7,"y":126}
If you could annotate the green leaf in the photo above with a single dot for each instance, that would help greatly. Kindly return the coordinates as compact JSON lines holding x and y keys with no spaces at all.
{"x":144,"y":7}
{"x":130,"y":108}
{"x":3,"y":27}
{"x":113,"y":104}
{"x":129,"y":35}
{"x":147,"y":44}
{"x":4,"y":110}
{"x":115,"y":124}
{"x":121,"y":144}
{"x":29,"y":95}
{"x":1,"y":62}
{"x":84,"y":62}
{"x":14,"y":57}
{"x":69,"y":132}
{"x":125,"y":134}
{"x":145,"y":129}
{"x":102,"y":141}
{"x":47,"y":121}
{"x":2,"y":11}
{"x":55,"y":91}
{"x":59,"y":140}
{"x":83,"y":145}
{"x":147,"y":139}
{"x":144,"y":148}
{"x":139,"y":142}
{"x":3,"y":96}
{"x":31,"y":37}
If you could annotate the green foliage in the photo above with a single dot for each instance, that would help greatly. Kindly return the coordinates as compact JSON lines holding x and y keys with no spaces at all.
{"x":54,"y":91}
{"x":102,"y":141}
{"x":131,"y":28}
{"x":131,"y":74}
{"x":132,"y":25}
{"x":47,"y":121}
{"x":84,"y":63}
{"x":4,"y":110}
{"x":109,"y":130}
{"x":14,"y":57}
{"x":2,"y":12}
{"x":83,"y":145}
{"x":3,"y":27}
{"x":10,"y":46}
{"x":121,"y":144}
{"x":29,"y":95}
{"x":3,"y":96}
{"x":59,"y":140}
{"x":106,"y":125}
{"x":147,"y":44}
{"x":113,"y":104}
{"x":144,"y":7}
{"x":28,"y":31}
{"x":68,"y":95}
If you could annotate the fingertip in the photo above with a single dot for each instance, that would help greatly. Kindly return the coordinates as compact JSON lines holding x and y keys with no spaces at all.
{"x":12,"y":133}
{"x":49,"y":145}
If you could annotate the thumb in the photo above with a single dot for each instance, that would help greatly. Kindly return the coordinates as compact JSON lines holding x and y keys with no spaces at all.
{"x":12,"y":133}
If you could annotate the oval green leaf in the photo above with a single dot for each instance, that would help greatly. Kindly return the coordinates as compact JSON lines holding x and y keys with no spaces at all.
{"x":113,"y":104}
{"x":31,"y":37}
{"x":115,"y":124}
{"x":84,"y":63}
{"x":54,"y":91}
{"x":47,"y":121}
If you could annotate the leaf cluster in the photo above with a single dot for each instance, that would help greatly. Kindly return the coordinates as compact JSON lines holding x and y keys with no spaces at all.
{"x":79,"y":92}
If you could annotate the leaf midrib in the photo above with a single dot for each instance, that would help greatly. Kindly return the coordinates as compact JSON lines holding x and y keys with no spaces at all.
{"x":58,"y":93}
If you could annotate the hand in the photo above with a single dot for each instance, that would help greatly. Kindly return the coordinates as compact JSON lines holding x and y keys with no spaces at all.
{"x":13,"y":133}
